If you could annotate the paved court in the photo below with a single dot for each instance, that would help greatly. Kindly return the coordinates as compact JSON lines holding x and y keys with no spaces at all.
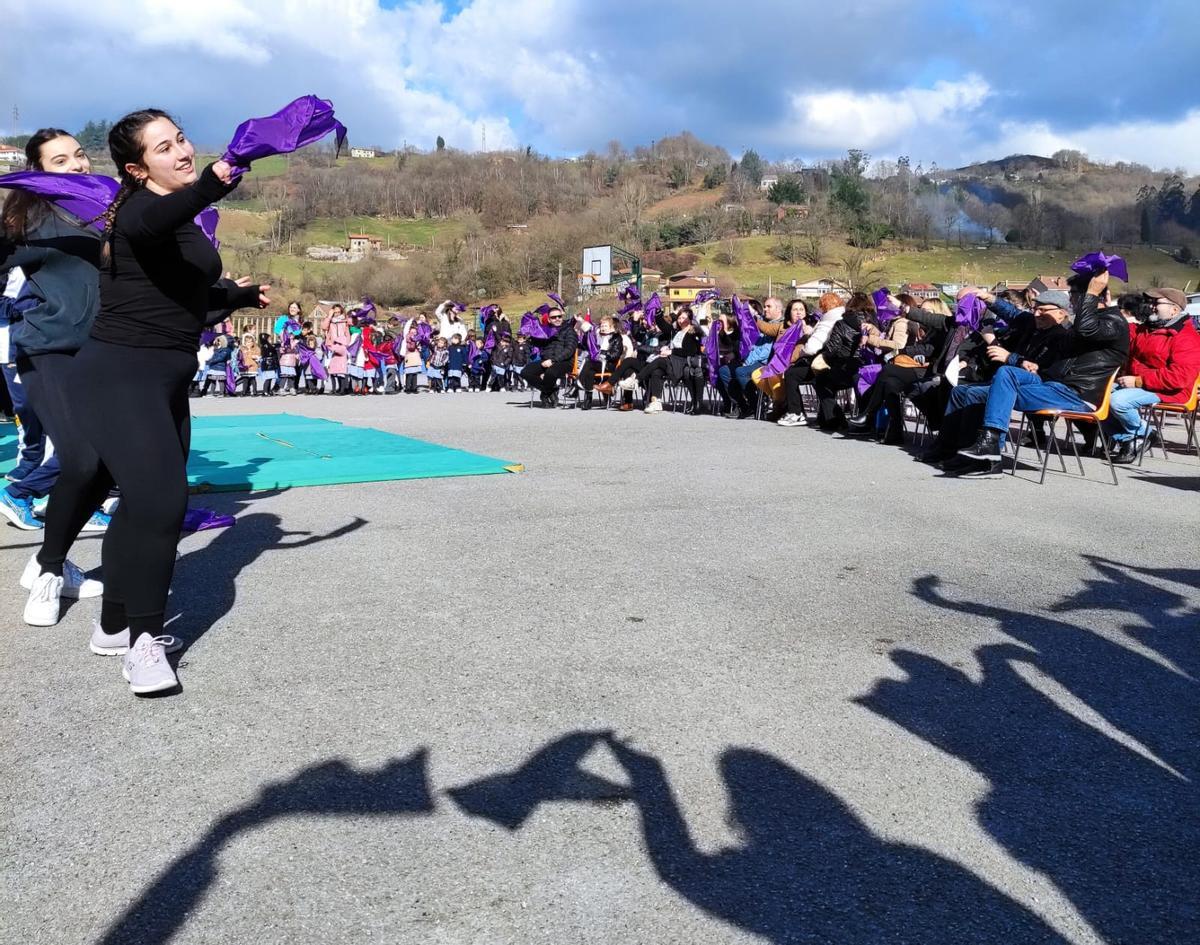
{"x":685,"y":680}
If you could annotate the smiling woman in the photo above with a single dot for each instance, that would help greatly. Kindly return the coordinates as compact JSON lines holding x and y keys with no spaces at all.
{"x":158,"y":284}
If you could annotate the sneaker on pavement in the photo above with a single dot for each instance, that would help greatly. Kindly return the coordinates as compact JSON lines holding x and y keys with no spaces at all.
{"x":99,"y":522}
{"x":979,"y":469}
{"x":117,"y":644}
{"x":18,"y":511}
{"x":42,"y":608}
{"x":985,"y":447}
{"x":76,"y":584}
{"x":145,"y":666}
{"x":791,"y":420}
{"x":39,"y":506}
{"x":655,"y":406}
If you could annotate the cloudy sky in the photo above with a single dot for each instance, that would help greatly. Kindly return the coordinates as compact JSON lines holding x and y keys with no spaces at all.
{"x":939,"y":80}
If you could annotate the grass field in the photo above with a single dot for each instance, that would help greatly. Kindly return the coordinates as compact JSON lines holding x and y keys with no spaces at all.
{"x":422,"y":234}
{"x":755,"y":265}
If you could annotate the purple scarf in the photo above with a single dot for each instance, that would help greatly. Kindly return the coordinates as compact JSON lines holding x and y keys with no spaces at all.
{"x":593,"y":345}
{"x":88,"y":196}
{"x":707,"y":295}
{"x":308,"y":359}
{"x":532,"y":327}
{"x":969,"y":311}
{"x":1095,"y":263}
{"x":712,"y":348}
{"x":883,"y":308}
{"x":867,"y":375}
{"x":231,"y":375}
{"x":748,"y":325}
{"x":299,"y":123}
{"x":781,"y":351}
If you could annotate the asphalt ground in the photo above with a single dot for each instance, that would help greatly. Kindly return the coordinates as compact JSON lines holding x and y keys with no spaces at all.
{"x":684,"y":680}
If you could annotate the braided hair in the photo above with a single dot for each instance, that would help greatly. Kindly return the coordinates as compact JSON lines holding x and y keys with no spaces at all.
{"x":21,"y":208}
{"x":126,"y":147}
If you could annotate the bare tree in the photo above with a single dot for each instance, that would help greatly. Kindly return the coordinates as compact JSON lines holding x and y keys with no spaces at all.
{"x":857,"y":271}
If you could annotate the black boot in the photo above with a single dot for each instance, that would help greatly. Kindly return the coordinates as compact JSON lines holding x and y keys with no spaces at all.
{"x":862,"y":425}
{"x":985,"y":447}
{"x":587,"y":401}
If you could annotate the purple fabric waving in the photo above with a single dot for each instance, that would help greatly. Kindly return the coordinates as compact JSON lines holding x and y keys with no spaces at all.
{"x":652,"y":308}
{"x":424,"y":332}
{"x":230,"y":377}
{"x":199,"y":520}
{"x":1095,"y":263}
{"x":299,"y":123}
{"x":969,"y":311}
{"x":747,"y":325}
{"x":207,"y":219}
{"x":593,"y":345}
{"x":712,"y":351}
{"x":87,"y":196}
{"x":868,"y":374}
{"x":884,"y":309}
{"x":781,"y":351}
{"x":309,"y":360}
{"x":630,"y":293}
{"x":707,"y":295}
{"x":354,"y":347}
{"x":557,"y":300}
{"x":532,"y":327}
{"x":208,"y":336}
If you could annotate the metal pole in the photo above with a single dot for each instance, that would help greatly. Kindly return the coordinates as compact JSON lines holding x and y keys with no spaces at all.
{"x":560,"y":280}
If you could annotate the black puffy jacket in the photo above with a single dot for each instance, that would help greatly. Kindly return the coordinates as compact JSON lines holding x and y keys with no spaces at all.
{"x":1097,"y":346}
{"x":562,"y":346}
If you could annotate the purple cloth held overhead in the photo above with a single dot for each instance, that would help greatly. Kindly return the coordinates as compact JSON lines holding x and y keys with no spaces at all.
{"x":532,"y":327}
{"x":781,"y":351}
{"x":969,"y":311}
{"x":1095,"y":263}
{"x":199,"y":520}
{"x":748,"y":325}
{"x":884,"y":310}
{"x":652,"y":308}
{"x":557,"y":300}
{"x":299,"y":123}
{"x":707,"y":295}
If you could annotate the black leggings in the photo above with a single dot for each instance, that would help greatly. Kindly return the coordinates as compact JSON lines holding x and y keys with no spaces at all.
{"x":885,"y":392}
{"x":132,"y":404}
{"x":79,"y":489}
{"x":545,"y":379}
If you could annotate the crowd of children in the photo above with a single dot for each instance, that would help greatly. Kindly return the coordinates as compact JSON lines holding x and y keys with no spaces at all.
{"x":362,"y":352}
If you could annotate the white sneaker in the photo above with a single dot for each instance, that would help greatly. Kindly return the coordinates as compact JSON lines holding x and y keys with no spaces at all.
{"x":42,"y":608}
{"x":145,"y":666}
{"x":76,"y":584}
{"x":630,"y":383}
{"x":655,"y":406}
{"x":117,"y":644}
{"x":792,"y":420}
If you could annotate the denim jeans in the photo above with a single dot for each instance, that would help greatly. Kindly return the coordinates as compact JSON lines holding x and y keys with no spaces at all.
{"x":31,"y":438}
{"x":1015,"y":388}
{"x":1124,"y":422}
{"x":748,"y":367}
{"x":968,"y":397}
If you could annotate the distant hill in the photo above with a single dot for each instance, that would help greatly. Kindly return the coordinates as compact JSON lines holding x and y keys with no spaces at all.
{"x":1013,"y":164}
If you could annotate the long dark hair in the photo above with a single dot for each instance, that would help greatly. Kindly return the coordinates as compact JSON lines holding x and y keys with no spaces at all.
{"x":22,"y":209}
{"x":126,"y":147}
{"x":788,"y":318}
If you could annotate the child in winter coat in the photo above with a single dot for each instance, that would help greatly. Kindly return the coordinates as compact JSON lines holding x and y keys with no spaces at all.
{"x":520,"y":358}
{"x":439,"y":362}
{"x":502,"y":360}
{"x":457,"y":365}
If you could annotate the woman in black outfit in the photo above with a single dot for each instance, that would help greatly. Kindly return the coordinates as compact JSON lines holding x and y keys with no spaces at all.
{"x":684,"y":365}
{"x":58,"y":256}
{"x":157,"y":284}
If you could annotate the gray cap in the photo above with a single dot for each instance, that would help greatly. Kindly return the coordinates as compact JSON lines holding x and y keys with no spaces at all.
{"x":1056,"y":297}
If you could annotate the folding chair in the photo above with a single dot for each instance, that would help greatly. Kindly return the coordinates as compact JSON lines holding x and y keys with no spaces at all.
{"x":1097,"y":416}
{"x":1187,"y":412}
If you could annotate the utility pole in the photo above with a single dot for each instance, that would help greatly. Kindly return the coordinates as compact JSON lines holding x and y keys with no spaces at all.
{"x":560,"y":280}
{"x":16,"y":120}
{"x":485,"y":137}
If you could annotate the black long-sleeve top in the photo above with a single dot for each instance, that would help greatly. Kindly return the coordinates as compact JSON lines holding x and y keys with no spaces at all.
{"x":158,"y":286}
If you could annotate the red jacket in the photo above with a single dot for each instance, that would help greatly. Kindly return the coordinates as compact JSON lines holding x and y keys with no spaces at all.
{"x":1166,"y":359}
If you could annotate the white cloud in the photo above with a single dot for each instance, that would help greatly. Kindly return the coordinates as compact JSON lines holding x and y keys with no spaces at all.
{"x":1158,"y":144}
{"x":880,"y":120}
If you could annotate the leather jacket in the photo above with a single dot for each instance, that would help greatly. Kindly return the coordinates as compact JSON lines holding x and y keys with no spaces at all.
{"x":1098,"y":345}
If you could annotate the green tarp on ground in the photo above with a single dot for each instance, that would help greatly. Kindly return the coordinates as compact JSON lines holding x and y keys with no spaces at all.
{"x":276,"y":451}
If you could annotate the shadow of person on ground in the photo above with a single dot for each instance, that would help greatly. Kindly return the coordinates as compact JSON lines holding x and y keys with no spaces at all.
{"x":1094,"y":787}
{"x":398,"y":789}
{"x":810,"y":871}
